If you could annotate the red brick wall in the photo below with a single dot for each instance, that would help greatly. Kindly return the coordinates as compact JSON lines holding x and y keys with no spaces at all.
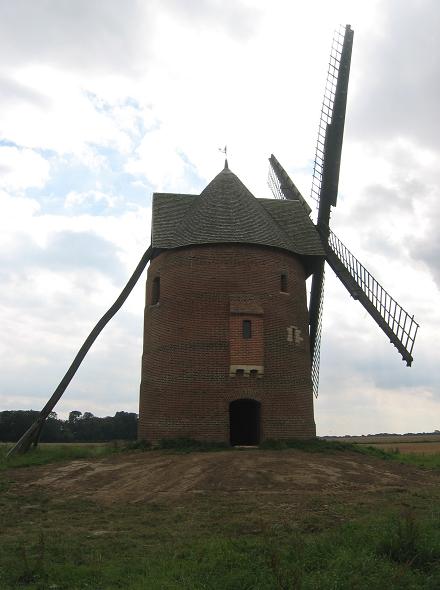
{"x":246,"y":351}
{"x":186,"y":387}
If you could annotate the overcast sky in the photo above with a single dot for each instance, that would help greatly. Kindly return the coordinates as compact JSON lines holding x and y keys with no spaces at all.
{"x":104,"y":102}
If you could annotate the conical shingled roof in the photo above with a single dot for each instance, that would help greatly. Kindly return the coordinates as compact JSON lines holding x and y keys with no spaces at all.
{"x":226,"y":209}
{"x":227,"y":212}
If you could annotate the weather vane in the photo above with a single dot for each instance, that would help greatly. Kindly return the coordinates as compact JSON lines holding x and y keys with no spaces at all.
{"x":224,"y":151}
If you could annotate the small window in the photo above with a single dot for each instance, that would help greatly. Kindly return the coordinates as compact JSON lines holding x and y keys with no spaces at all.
{"x":155,"y":296}
{"x":283,"y":282}
{"x":239,"y":372}
{"x":247,"y":329}
{"x":254,"y":373}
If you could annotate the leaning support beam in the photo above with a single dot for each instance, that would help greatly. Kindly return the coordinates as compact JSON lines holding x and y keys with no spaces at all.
{"x":32,"y":435}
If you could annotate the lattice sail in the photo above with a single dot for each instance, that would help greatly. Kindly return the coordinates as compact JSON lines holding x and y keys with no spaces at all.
{"x":327,"y":111}
{"x":282,"y":186}
{"x":398,"y":324}
{"x":316,"y":349}
{"x":326,"y":170}
{"x":274,"y":184}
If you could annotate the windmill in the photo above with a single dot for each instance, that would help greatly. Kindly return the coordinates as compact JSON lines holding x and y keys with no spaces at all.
{"x":398,"y":325}
{"x":264,"y":224}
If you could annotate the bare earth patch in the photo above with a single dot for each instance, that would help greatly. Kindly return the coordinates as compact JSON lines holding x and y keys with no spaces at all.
{"x":139,"y":477}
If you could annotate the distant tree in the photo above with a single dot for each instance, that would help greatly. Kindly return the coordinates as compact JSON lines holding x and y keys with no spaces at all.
{"x":55,"y":430}
{"x":125,"y":425}
{"x":78,"y":427}
{"x":13,"y":423}
{"x":74,"y":416}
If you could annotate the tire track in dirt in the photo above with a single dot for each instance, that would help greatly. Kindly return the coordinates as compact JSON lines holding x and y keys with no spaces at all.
{"x":138,"y":477}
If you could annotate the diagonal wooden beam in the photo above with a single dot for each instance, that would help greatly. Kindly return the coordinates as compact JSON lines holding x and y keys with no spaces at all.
{"x":32,"y":435}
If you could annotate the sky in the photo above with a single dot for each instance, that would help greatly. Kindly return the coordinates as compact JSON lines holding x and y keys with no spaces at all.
{"x":104,"y":102}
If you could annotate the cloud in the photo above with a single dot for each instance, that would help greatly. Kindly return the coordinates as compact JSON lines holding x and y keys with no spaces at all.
{"x":400,"y":87}
{"x":358,"y":407}
{"x":364,"y":384}
{"x":161,"y":161}
{"x":85,"y":34}
{"x":64,"y":252}
{"x":237,"y":19}
{"x":89,"y":199}
{"x":74,"y":122}
{"x":426,"y":248}
{"x":13,"y":92}
{"x":103,"y":36}
{"x":107,"y":380}
{"x":56,"y":283}
{"x":22,"y":168}
{"x":386,"y":212}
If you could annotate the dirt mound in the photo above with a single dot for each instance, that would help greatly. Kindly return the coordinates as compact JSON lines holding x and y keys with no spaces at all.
{"x":138,"y":477}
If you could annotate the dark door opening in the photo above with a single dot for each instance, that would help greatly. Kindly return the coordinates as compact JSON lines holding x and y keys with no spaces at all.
{"x":244,"y":422}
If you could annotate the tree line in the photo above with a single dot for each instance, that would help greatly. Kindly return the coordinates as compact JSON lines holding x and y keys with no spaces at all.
{"x":78,"y":427}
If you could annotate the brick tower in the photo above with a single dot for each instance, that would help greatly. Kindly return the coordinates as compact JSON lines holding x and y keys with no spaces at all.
{"x":226,"y":342}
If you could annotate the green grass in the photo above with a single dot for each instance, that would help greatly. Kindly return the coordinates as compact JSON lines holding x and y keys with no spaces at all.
{"x":189,"y":445}
{"x":53,"y":453}
{"x":424,"y":460}
{"x":219,"y":543}
{"x":313,"y":445}
{"x":427,"y":461}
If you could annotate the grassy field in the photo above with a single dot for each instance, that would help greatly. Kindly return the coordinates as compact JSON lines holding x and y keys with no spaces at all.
{"x":387,"y":438}
{"x":407,"y":443}
{"x":217,"y":541}
{"x":53,"y":453}
{"x":420,"y":448}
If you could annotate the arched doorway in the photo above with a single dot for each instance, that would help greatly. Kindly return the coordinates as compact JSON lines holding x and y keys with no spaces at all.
{"x":244,"y":422}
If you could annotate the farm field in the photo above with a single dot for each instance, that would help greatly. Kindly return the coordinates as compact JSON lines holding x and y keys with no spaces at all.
{"x":229,"y":520}
{"x":388,"y":438}
{"x":391,"y":438}
{"x":420,"y":444}
{"x":428,"y":448}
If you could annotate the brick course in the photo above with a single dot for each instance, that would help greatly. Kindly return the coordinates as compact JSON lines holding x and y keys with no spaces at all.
{"x":192,"y":336}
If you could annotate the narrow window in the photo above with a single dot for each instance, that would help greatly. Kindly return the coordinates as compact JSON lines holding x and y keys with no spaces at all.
{"x":254,"y":373}
{"x":247,"y":329}
{"x":155,"y":296}
{"x":283,"y":282}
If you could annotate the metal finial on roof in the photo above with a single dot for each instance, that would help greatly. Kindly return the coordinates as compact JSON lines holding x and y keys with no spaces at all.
{"x":225,"y":151}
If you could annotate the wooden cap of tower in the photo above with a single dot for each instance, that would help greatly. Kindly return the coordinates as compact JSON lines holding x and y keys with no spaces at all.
{"x":227,"y":212}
